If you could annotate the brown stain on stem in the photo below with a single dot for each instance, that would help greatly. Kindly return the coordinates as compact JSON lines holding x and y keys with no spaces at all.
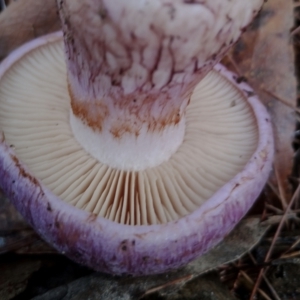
{"x":137,"y":110}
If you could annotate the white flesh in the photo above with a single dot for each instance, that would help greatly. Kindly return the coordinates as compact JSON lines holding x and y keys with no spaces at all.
{"x":127,"y":150}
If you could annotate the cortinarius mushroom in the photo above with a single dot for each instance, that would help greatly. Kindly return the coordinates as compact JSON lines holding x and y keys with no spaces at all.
{"x":141,"y":152}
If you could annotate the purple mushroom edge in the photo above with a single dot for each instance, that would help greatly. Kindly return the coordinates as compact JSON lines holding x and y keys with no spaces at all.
{"x":119,"y":249}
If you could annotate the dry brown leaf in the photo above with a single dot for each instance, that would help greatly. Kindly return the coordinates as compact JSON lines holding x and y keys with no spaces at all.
{"x":264,"y":55}
{"x":14,"y":276}
{"x":98,"y":288}
{"x":24,"y":20}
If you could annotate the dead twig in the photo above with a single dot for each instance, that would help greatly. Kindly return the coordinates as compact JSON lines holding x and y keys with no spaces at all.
{"x":268,"y":256}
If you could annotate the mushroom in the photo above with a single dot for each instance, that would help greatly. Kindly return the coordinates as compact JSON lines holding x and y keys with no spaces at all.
{"x":135,"y":152}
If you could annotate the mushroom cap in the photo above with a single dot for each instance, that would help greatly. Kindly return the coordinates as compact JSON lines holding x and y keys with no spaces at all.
{"x":117,"y":248}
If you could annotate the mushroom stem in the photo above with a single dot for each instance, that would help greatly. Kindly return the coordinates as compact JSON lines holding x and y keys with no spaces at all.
{"x":132,"y":66}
